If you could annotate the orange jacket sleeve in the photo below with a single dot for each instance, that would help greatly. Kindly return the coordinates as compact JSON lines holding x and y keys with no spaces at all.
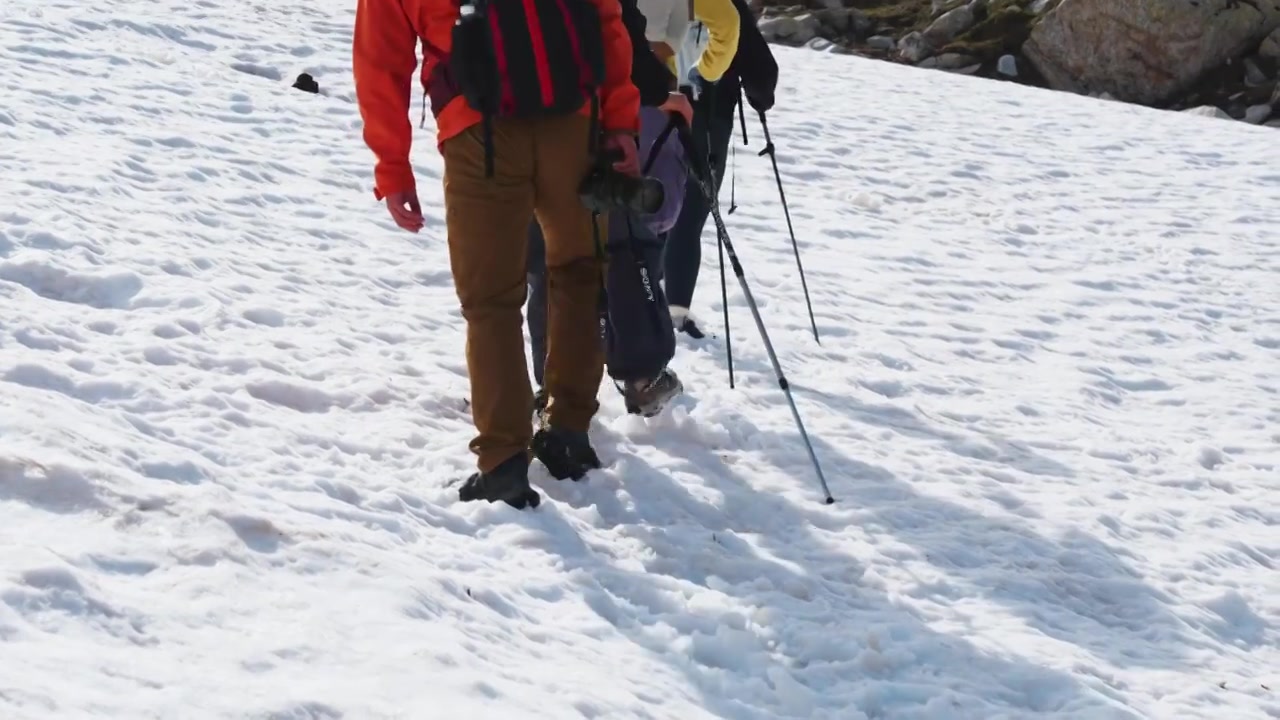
{"x":383,"y":60}
{"x":619,"y":98}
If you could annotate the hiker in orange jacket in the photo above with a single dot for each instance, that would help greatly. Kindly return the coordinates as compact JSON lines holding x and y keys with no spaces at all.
{"x":554,"y":91}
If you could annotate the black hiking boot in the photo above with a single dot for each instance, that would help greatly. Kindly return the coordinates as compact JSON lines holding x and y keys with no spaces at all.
{"x":509,"y":482}
{"x":647,"y":398}
{"x":565,"y":453}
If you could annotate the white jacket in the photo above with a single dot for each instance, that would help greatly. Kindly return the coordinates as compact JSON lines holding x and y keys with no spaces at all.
{"x":689,"y":50}
{"x":700,"y":32}
{"x":668,"y":20}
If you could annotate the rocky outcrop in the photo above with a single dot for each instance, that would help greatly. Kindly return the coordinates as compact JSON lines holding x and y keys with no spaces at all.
{"x":827,"y":20}
{"x":1163,"y":53}
{"x":1144,"y":51}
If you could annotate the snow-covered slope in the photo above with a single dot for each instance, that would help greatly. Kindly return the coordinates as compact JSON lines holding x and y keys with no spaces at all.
{"x":1047,"y":399}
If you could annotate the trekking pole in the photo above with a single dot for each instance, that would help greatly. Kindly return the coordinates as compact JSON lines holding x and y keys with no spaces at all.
{"x":724,"y":285}
{"x":733,"y":177}
{"x":708,"y":189}
{"x":724,"y":302}
{"x":770,"y":151}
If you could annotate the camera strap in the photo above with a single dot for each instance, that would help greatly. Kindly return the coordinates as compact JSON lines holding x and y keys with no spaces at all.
{"x":659,"y":142}
{"x":602,"y":298}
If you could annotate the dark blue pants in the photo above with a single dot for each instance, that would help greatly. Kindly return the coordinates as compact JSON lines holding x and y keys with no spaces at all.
{"x":682,"y":252}
{"x":637,"y":333}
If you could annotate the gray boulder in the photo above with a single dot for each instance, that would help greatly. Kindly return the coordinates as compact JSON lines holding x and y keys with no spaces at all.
{"x":1271,"y":46}
{"x":1257,"y":114}
{"x":913,"y":47}
{"x":1253,"y":74}
{"x":1007,"y":65}
{"x":882,"y":42}
{"x":949,"y":25}
{"x":955,"y":61}
{"x":796,"y":30}
{"x":847,"y":21}
{"x":1208,"y":111}
{"x":1144,"y":51}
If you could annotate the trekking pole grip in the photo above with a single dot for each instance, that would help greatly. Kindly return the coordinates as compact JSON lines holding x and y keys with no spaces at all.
{"x":768,"y":139}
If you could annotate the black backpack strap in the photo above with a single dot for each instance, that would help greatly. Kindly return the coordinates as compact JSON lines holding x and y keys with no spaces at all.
{"x":593,"y":129}
{"x":487,"y":131}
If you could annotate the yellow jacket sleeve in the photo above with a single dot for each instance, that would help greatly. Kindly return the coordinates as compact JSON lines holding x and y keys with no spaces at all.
{"x":723,"y":27}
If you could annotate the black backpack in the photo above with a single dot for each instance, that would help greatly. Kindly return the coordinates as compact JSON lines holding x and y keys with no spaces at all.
{"x":528,"y":58}
{"x":754,"y":63}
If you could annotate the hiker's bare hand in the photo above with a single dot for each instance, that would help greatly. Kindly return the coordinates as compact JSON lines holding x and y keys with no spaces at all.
{"x":625,"y":145}
{"x":405,"y":210}
{"x":677,"y":103}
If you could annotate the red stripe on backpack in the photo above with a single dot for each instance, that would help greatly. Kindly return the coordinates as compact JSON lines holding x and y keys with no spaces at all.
{"x":507,"y":100}
{"x":540,"y":61}
{"x":584,"y":72}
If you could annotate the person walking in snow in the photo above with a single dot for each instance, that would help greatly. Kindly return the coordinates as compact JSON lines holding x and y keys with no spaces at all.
{"x":669,"y":23}
{"x":639,"y":346}
{"x":639,"y":337}
{"x":751,"y":70}
{"x":634,"y":350}
{"x":521,"y":117}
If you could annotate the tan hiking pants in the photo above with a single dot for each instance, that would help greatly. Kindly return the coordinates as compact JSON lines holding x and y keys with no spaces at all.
{"x":538,"y":165}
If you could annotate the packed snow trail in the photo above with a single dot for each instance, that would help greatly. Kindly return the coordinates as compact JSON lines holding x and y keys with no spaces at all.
{"x":232,"y":397}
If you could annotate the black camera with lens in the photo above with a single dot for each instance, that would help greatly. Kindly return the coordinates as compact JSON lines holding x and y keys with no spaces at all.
{"x":605,"y":189}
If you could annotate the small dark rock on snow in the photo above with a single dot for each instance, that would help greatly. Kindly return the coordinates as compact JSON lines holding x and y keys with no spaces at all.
{"x":306,"y":83}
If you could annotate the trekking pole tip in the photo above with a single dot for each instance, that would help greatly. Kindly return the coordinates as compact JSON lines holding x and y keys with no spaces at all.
{"x":830,"y":500}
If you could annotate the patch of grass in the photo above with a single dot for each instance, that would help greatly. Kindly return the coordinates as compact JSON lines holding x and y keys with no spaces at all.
{"x":897,"y":17}
{"x":1004,"y":30}
{"x":1002,"y":26}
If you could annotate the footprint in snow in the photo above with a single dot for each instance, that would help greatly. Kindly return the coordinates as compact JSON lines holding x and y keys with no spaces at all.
{"x":103,"y":290}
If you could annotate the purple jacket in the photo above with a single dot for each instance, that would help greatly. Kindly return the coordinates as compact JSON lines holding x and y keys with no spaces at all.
{"x":668,"y":168}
